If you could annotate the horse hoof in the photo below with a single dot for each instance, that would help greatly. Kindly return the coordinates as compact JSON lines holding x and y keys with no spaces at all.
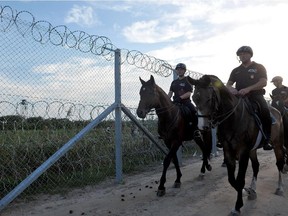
{"x":252,"y":195}
{"x":177,"y":185}
{"x":209,"y":167}
{"x":234,"y":213}
{"x":201,"y":176}
{"x":245,"y":192}
{"x":161,"y":193}
{"x":279,"y":192}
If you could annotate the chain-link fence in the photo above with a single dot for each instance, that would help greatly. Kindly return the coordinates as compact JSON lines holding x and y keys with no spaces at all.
{"x":54,"y":82}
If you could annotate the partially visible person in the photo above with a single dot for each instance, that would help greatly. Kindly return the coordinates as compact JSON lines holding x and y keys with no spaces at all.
{"x":250,"y":78}
{"x":280,"y":89}
{"x":181,"y":91}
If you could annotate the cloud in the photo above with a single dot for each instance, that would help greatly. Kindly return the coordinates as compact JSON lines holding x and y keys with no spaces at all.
{"x":153,"y":32}
{"x":206,"y":37}
{"x":82,"y":15}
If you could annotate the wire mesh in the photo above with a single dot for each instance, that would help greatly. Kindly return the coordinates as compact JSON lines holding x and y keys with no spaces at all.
{"x":54,"y":81}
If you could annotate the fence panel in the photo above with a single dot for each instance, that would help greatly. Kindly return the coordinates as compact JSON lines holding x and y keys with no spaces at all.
{"x":54,"y":81}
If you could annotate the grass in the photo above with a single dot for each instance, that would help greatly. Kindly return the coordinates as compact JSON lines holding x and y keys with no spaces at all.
{"x":89,"y":162}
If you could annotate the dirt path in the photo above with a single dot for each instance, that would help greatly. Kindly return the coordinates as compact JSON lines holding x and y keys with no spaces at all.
{"x":137,"y":195}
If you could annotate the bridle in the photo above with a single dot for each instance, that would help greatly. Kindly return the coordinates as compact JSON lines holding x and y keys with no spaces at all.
{"x":214,"y":118}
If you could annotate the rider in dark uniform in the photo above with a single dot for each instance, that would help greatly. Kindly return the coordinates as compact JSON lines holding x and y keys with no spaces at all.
{"x":280,"y":89}
{"x":181,"y":90}
{"x":251,"y":78}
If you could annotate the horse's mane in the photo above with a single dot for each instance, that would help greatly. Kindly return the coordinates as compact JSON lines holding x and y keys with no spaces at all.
{"x":216,"y":83}
{"x":206,"y":81}
{"x":162,"y":92}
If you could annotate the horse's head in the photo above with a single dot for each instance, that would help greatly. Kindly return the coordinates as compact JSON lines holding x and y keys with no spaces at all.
{"x":148,"y":97}
{"x":206,"y":93}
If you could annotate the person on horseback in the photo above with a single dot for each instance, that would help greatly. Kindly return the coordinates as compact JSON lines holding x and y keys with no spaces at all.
{"x":181,"y":90}
{"x":280,"y":90}
{"x":250,"y":78}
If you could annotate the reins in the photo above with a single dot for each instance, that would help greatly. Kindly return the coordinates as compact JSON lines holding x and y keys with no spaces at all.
{"x":217,"y":119}
{"x":164,"y":109}
{"x":227,"y":115}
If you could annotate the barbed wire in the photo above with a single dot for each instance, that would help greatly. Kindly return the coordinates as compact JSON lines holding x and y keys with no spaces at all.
{"x":54,"y":109}
{"x":35,"y":124}
{"x":44,"y":32}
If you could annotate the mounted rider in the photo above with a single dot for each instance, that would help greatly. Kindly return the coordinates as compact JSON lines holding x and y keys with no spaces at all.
{"x":280,"y":90}
{"x":181,"y":90}
{"x":250,"y":79}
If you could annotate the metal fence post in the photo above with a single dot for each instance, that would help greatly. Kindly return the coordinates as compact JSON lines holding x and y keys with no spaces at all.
{"x":118,"y":124}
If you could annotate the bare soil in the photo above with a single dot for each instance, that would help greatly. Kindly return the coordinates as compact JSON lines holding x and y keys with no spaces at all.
{"x":137,"y":195}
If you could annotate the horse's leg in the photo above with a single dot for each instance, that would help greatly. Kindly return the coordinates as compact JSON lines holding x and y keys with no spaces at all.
{"x":285,"y":125}
{"x":279,"y":152}
{"x":231,"y":167}
{"x":205,"y":152}
{"x":161,"y":189}
{"x":280,"y":163}
{"x":177,"y":183}
{"x":280,"y":190}
{"x":252,"y":195}
{"x":167,"y":160}
{"x":285,"y":140}
{"x":240,"y":180}
{"x":237,"y":184}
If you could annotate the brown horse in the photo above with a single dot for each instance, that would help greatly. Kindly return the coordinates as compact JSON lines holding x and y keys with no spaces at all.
{"x":278,"y":103}
{"x":171,"y":127}
{"x":238,"y":132}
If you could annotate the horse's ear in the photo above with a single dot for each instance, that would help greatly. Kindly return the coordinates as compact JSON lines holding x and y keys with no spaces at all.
{"x":152,"y":79}
{"x":142,"y":81}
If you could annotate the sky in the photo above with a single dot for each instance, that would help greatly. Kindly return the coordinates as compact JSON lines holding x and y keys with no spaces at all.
{"x":203,"y":34}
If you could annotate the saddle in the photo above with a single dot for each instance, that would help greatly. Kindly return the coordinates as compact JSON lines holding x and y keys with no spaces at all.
{"x":255,"y":109}
{"x":185,"y":112}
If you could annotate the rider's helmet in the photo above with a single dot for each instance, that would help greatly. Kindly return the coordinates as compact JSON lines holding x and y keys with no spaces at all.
{"x":245,"y":49}
{"x":181,"y":66}
{"x":277,"y":79}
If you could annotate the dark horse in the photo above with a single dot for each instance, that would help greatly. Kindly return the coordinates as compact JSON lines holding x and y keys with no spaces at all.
{"x":278,"y":103}
{"x":171,"y":127}
{"x":238,"y":132}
